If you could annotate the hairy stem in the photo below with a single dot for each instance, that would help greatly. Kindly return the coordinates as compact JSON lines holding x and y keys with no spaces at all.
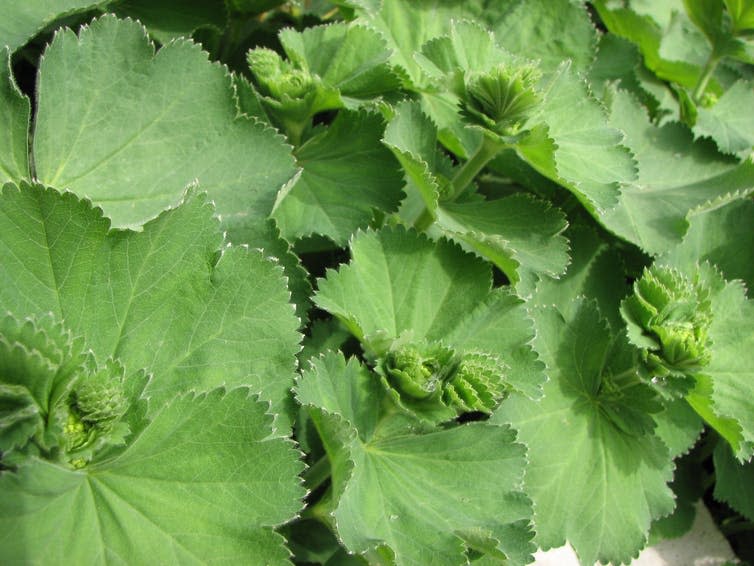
{"x":701,"y":84}
{"x":317,"y":474}
{"x":488,"y":149}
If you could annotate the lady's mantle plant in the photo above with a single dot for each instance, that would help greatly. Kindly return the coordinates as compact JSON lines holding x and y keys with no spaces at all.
{"x":528,"y":224}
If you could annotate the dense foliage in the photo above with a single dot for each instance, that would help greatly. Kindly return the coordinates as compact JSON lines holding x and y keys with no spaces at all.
{"x":373,"y":281}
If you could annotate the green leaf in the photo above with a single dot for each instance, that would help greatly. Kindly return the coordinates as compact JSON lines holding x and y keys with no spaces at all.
{"x":688,"y":487}
{"x":266,"y":236}
{"x":15,"y":113}
{"x":733,"y":481}
{"x":163,"y":299}
{"x":619,"y":61}
{"x":727,"y":123}
{"x":575,"y":146}
{"x":23,"y":20}
{"x":410,"y":490}
{"x":676,"y":176}
{"x":718,"y":236}
{"x":590,"y":442}
{"x":596,"y":271}
{"x":707,"y":15}
{"x":742,"y":14}
{"x":406,"y":26}
{"x":170,"y":19}
{"x":351,"y":58}
{"x":129,"y":129}
{"x":347,"y":176}
{"x":412,"y":137}
{"x":644,"y":31}
{"x":679,"y":427}
{"x":399,"y":281}
{"x":546,"y":30}
{"x":521,"y":235}
{"x":732,"y":364}
{"x":185,"y":488}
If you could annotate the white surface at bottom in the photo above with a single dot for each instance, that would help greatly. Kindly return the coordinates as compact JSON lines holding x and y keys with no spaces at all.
{"x":703,"y":545}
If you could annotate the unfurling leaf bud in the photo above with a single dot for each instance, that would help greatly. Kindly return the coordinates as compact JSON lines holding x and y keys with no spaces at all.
{"x":477,"y":384}
{"x":501,"y":100}
{"x":99,"y":400}
{"x":419,"y":371}
{"x":278,"y":78}
{"x":290,"y":94}
{"x":438,"y":383}
{"x":96,"y":404}
{"x":668,"y":317}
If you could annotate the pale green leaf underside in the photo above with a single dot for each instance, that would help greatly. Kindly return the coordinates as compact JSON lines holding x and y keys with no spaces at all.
{"x":411,"y":491}
{"x":580,"y":151}
{"x":347,"y":175}
{"x":519,"y":234}
{"x":129,"y":129}
{"x":730,"y":122}
{"x":186,"y":489}
{"x":676,"y":175}
{"x":592,"y":484}
{"x":412,"y":137}
{"x":23,"y":20}
{"x":156,"y":299}
{"x":15,"y":112}
{"x":718,"y":236}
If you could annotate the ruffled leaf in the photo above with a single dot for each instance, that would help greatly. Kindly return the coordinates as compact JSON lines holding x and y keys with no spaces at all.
{"x":590,"y":439}
{"x":676,"y":175}
{"x":163,"y":299}
{"x":183,"y":488}
{"x":409,"y":490}
{"x":400,"y":281}
{"x":347,"y":176}
{"x":15,"y":113}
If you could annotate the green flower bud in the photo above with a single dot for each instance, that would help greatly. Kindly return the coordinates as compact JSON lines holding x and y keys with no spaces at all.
{"x":100,"y":401}
{"x":668,"y":317}
{"x":418,"y":371}
{"x":502,"y":99}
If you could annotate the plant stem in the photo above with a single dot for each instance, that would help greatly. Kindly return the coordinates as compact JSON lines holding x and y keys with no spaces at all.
{"x":488,"y":149}
{"x":317,"y":474}
{"x":468,"y":172}
{"x":294,"y":130}
{"x":424,"y":221}
{"x":701,"y":84}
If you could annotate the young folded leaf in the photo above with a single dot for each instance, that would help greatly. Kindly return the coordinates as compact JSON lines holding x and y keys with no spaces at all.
{"x":439,"y":383}
{"x":668,"y":317}
{"x":291,"y":95}
{"x":502,"y":99}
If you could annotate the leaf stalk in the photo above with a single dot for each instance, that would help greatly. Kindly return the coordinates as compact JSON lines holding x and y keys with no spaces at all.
{"x":704,"y":77}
